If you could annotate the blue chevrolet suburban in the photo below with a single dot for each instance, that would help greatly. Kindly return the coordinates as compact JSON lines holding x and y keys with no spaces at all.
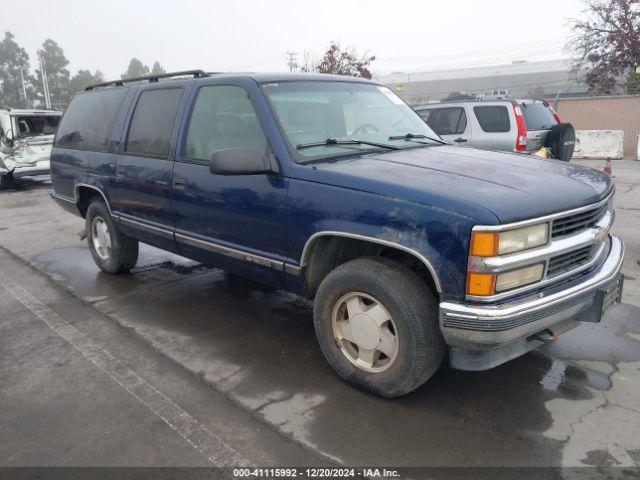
{"x":414,"y":250}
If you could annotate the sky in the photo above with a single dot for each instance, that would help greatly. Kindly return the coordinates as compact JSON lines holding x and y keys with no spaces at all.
{"x":243,"y":35}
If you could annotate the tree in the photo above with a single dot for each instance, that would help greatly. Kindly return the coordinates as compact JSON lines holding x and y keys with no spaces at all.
{"x":607,"y":43}
{"x":99,"y":76}
{"x":136,"y":69}
{"x":13,"y":58}
{"x":340,"y":62}
{"x":633,"y":81}
{"x":83,"y":79}
{"x":58,"y":75}
{"x":157,"y":69}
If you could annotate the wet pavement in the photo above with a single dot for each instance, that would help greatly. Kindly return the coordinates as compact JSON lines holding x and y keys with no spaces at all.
{"x":575,"y":402}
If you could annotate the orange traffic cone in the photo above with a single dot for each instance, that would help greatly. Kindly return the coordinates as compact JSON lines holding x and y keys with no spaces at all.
{"x":607,"y":167}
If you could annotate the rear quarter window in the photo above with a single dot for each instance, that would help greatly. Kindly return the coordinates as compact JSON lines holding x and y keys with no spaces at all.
{"x":493,"y":118}
{"x":89,"y":119}
{"x":537,"y":116}
{"x":152,"y":122}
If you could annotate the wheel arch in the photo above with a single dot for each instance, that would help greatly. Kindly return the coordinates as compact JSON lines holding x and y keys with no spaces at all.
{"x":84,"y":192}
{"x":320,"y":256}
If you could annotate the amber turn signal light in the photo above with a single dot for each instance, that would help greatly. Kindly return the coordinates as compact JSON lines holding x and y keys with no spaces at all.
{"x":484,"y":244}
{"x":481,"y":283}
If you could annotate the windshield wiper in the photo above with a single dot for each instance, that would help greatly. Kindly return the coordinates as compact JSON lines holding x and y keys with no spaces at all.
{"x":411,"y":136}
{"x":344,"y":141}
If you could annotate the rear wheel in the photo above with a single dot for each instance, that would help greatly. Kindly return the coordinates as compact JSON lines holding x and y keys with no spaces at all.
{"x":113,"y":251}
{"x":377,"y":325}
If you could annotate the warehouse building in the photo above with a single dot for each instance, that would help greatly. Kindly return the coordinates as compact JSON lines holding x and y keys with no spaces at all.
{"x":523,"y":79}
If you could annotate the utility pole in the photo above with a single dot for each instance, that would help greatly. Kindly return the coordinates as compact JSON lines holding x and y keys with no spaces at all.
{"x":24,"y":89}
{"x":292,"y":63}
{"x":45,"y":81}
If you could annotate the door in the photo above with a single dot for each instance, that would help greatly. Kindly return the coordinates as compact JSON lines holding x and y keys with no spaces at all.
{"x":143,"y":168}
{"x":237,"y":222}
{"x":450,"y":123}
{"x":495,"y":129}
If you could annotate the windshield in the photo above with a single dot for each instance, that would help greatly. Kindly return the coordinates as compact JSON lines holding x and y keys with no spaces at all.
{"x":537,"y":116}
{"x":311,"y":112}
{"x":35,"y":125}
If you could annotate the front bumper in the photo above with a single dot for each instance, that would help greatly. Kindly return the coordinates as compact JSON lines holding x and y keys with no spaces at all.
{"x":483,"y":336}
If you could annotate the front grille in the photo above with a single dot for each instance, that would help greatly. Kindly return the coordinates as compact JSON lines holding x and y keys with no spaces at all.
{"x":577,"y":222}
{"x":569,"y":261}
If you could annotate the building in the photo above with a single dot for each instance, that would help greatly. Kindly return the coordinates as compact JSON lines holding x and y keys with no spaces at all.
{"x":523,"y":79}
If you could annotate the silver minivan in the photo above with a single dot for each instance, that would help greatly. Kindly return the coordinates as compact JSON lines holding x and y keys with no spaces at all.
{"x":523,"y":126}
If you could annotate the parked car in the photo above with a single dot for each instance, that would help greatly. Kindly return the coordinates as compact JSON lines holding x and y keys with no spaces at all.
{"x":522,"y":126}
{"x":331,"y":186}
{"x":26,"y":137}
{"x":496,"y":94}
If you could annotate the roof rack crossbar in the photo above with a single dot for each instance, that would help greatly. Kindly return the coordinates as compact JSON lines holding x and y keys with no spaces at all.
{"x":150,"y":78}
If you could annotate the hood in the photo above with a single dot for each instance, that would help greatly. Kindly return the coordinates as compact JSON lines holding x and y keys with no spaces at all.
{"x":512,"y":187}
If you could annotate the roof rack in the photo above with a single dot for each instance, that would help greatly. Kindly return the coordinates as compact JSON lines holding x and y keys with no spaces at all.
{"x":150,"y":78}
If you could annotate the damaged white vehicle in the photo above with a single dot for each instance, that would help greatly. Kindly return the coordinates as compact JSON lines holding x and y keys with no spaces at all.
{"x":26,"y":137}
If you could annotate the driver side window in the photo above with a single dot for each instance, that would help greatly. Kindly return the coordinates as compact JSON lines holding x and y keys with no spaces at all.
{"x":222,"y":118}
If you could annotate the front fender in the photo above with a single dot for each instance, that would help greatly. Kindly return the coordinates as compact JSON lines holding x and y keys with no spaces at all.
{"x":437,"y":237}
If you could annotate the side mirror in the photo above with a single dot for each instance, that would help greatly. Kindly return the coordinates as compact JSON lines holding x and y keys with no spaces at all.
{"x":241,"y":161}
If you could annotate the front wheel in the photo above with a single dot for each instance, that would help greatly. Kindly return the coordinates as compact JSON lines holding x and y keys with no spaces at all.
{"x":113,"y":251}
{"x":377,"y":325}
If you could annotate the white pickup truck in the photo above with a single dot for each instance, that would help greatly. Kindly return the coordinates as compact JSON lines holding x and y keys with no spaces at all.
{"x":26,"y":137}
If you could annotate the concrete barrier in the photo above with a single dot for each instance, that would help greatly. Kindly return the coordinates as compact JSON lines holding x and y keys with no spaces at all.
{"x":599,"y":144}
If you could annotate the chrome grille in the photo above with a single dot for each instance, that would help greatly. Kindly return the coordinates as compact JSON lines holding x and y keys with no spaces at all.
{"x":569,"y":261}
{"x":577,"y":222}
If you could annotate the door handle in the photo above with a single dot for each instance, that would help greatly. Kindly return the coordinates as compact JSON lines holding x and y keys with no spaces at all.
{"x":180,"y":183}
{"x":121,"y":172}
{"x":460,"y":140}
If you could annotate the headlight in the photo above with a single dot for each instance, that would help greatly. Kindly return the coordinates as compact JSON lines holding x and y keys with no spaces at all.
{"x":484,"y":284}
{"x":519,"y":277}
{"x":489,"y":244}
{"x":610,"y":208}
{"x":523,"y":238}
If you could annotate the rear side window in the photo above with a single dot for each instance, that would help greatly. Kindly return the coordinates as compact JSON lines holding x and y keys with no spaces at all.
{"x":537,"y":116}
{"x":493,"y":118}
{"x":223,"y":117}
{"x":152,"y":122}
{"x":89,"y":118}
{"x":447,"y":121}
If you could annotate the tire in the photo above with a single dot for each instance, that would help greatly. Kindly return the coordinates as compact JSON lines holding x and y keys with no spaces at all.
{"x":6,"y":180}
{"x":413,"y":311}
{"x":562,"y":141}
{"x":117,"y":255}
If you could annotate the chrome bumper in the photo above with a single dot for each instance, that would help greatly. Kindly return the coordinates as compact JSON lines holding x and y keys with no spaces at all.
{"x":487,"y":327}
